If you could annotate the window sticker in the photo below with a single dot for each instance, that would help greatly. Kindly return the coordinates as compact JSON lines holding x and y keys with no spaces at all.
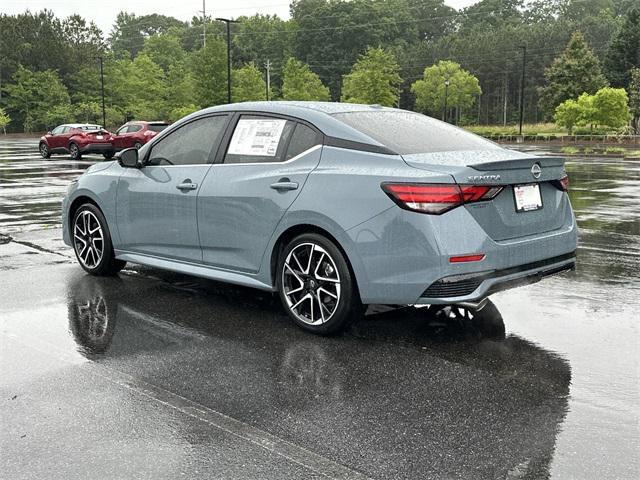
{"x":257,"y":136}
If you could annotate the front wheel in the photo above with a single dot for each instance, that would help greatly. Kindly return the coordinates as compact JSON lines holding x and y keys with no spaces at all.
{"x":92,"y":242}
{"x":108,"y":155}
{"x":74,"y":151}
{"x":316,"y":286}
{"x":137,"y":145}
{"x":44,"y":150}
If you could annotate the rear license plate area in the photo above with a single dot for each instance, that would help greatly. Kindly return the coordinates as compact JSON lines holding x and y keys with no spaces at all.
{"x":527,"y":197}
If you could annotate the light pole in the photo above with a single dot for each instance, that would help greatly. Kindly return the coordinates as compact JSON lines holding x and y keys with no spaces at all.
{"x":228,"y":21}
{"x":446,"y":94}
{"x":104,"y":115}
{"x":524,"y":64}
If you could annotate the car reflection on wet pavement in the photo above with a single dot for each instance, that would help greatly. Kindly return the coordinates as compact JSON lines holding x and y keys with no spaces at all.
{"x":153,"y":374}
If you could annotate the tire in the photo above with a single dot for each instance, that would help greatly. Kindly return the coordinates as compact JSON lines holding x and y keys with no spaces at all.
{"x":137,"y":145}
{"x":108,"y":155}
{"x":44,"y":150}
{"x":74,"y":151}
{"x":92,"y":242}
{"x":316,"y":286}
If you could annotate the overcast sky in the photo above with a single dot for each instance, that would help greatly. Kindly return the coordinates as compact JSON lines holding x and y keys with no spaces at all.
{"x":104,"y":12}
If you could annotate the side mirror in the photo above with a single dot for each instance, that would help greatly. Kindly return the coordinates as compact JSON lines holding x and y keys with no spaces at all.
{"x":129,"y":158}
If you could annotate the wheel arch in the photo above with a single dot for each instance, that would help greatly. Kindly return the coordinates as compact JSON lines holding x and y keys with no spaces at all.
{"x":293,"y":231}
{"x":76,"y":203}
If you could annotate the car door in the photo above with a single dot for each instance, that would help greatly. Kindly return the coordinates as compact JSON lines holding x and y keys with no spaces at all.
{"x":120,"y":136}
{"x":131,"y":136}
{"x":55,"y":138}
{"x":249,"y":188}
{"x":156,"y":204}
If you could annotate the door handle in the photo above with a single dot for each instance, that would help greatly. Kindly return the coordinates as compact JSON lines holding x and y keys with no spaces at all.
{"x":284,"y":184}
{"x":187,"y":185}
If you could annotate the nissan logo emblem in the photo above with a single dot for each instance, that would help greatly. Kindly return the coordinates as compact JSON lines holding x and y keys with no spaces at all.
{"x":536,"y":170}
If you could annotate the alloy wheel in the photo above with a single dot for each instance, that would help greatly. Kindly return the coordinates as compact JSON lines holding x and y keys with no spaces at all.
{"x":311,"y":283}
{"x":44,"y":150}
{"x":75,"y":152}
{"x":88,"y":239}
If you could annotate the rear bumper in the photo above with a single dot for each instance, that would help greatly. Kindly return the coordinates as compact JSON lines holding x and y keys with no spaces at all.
{"x":97,"y":148}
{"x":402,"y":254}
{"x":476,"y":286}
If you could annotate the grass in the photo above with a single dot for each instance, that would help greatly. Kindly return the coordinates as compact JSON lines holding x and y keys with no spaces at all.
{"x":615,"y":150}
{"x":570,"y":150}
{"x":527,"y":129}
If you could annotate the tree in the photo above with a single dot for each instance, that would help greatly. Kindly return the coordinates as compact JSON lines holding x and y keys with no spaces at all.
{"x":33,"y":96}
{"x":4,"y":120}
{"x":331,"y":34}
{"x":209,"y":68}
{"x":260,"y":38}
{"x":610,"y":107}
{"x":374,"y":79}
{"x":300,"y":83}
{"x":624,"y":50}
{"x":164,"y":50}
{"x":568,"y":114}
{"x":430,"y":91}
{"x":634,"y":99}
{"x":129,"y":31}
{"x":248,"y":84}
{"x":575,"y":71}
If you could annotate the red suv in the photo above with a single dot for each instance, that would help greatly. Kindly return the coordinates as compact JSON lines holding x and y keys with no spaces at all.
{"x":135,"y":134}
{"x":76,"y":139}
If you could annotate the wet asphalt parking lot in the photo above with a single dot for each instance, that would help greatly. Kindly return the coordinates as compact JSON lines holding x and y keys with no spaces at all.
{"x":158,"y":375}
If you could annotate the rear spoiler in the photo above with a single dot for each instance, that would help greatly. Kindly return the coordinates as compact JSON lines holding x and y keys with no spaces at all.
{"x":518,"y":163}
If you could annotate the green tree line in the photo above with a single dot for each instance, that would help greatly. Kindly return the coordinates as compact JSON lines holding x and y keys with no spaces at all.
{"x":392,"y":52}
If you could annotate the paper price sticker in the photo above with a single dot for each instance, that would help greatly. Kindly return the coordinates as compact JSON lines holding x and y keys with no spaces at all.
{"x":257,"y":137}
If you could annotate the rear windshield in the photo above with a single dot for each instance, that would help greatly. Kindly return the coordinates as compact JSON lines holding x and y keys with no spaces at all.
{"x":408,"y":132}
{"x":157,"y":127}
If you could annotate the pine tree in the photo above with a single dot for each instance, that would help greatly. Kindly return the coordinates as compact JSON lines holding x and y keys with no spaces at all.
{"x":624,"y":50}
{"x":576,"y":71}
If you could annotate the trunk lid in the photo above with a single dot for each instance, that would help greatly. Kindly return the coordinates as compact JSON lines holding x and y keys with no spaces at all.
{"x":502,"y":167}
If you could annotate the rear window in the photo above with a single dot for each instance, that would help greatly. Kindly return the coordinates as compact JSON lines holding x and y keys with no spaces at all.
{"x":157,"y":127}
{"x":90,"y":127}
{"x":408,"y":132}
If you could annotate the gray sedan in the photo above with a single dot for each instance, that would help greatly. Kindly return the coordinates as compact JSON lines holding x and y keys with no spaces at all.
{"x":334,"y":206}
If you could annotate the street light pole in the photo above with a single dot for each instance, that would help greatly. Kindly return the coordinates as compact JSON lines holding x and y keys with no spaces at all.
{"x":267,"y":65}
{"x":524,"y":64}
{"x":104,"y":115}
{"x":228,"y":21}
{"x":446,"y":94}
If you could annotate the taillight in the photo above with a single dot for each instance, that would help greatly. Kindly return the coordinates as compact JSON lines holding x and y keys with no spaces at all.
{"x":562,"y":183}
{"x":437,"y":198}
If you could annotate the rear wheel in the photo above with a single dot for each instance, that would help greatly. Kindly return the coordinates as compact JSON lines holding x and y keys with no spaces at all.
{"x":108,"y":155}
{"x":137,"y":146}
{"x":316,"y":286}
{"x":74,"y":151}
{"x":92,"y":242}
{"x":44,"y":150}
